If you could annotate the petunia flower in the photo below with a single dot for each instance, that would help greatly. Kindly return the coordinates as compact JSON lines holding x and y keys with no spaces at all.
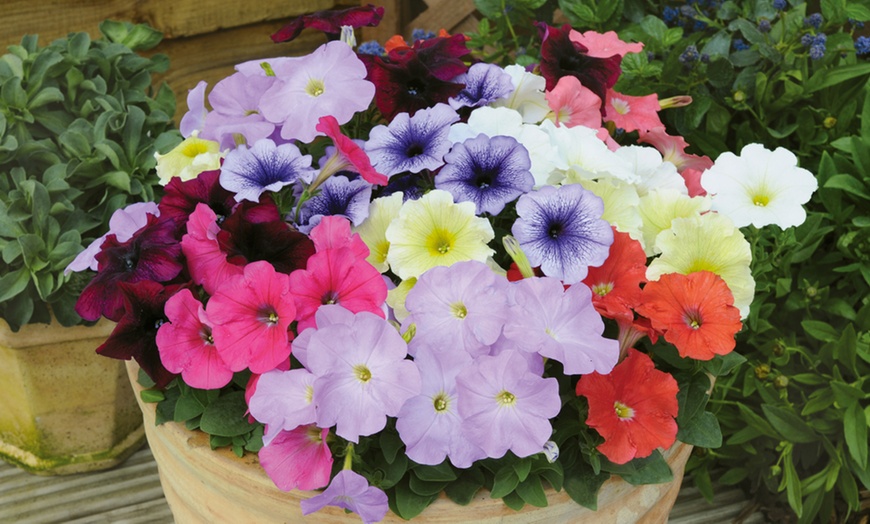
{"x":559,"y":323}
{"x":348,"y":155}
{"x":578,"y":153}
{"x":603,"y":45}
{"x":695,"y":312}
{"x":709,"y":242}
{"x":572,"y":104}
{"x":490,"y":172}
{"x":632,"y":113}
{"x":235,"y":117}
{"x":362,"y":374}
{"x":653,"y":172}
{"x":620,"y":204}
{"x":561,"y":231}
{"x":329,"y":81}
{"x":660,"y":207}
{"x":206,"y":261}
{"x":338,"y":196}
{"x":194,"y":119}
{"x":153,"y":253}
{"x":251,"y":314}
{"x":412,"y":143}
{"x":330,"y":22}
{"x":298,"y":459}
{"x":429,"y":424}
{"x":188,"y":159}
{"x":528,"y":97}
{"x":673,"y":150}
{"x":616,"y":283}
{"x":180,"y":198}
{"x":134,"y":337}
{"x":373,"y":230}
{"x":484,"y":84}
{"x":186,"y":344}
{"x":461,"y":307}
{"x":350,"y":491}
{"x":435,"y":231}
{"x":633,"y":408}
{"x":124,"y":223}
{"x":283,"y":401}
{"x":760,"y":187}
{"x":504,"y":406}
{"x":249,"y":172}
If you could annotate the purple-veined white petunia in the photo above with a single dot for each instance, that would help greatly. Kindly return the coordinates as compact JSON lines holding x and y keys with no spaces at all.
{"x":484,"y":84}
{"x":412,"y":143}
{"x":504,"y":406}
{"x":248,"y":172}
{"x":362,"y":374}
{"x":561,"y":324}
{"x":490,"y":172}
{"x":340,"y":196}
{"x":560,"y":229}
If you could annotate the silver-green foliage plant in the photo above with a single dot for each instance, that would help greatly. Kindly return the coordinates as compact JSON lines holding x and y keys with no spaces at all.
{"x":79,"y":125}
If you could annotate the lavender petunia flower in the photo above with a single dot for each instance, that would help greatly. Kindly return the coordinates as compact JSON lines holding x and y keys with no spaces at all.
{"x":429,"y":424}
{"x":458,"y":307}
{"x":559,"y":324}
{"x":350,"y":491}
{"x":235,"y":115}
{"x":560,"y":229}
{"x":487,"y":171}
{"x":194,"y":119}
{"x":412,"y":143}
{"x":263,"y":167}
{"x":283,"y":400}
{"x":504,"y":406}
{"x":484,"y":83}
{"x":337,"y":196}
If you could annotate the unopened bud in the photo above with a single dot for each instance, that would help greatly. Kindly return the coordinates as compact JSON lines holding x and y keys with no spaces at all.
{"x":829,"y":122}
{"x":762,"y":371}
{"x":739,"y":97}
{"x":551,"y":451}
{"x":675,"y":101}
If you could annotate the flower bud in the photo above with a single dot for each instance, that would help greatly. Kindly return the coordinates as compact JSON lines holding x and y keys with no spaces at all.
{"x":829,"y":122}
{"x":780,"y":382}
{"x":762,"y":371}
{"x":739,"y":96}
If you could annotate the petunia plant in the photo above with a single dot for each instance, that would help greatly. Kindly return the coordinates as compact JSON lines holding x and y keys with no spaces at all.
{"x":409,"y":275}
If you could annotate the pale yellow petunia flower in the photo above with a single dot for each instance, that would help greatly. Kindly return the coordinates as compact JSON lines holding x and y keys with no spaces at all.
{"x":382,"y":211}
{"x":660,"y":207}
{"x":188,"y":159}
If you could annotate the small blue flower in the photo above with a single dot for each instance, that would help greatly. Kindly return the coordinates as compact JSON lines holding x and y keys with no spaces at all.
{"x":739,"y":44}
{"x":808,"y":39}
{"x":484,"y":83}
{"x":421,"y":34}
{"x":700,"y":25}
{"x":561,"y":230}
{"x":487,"y":171}
{"x":814,"y":20}
{"x":372,"y":47}
{"x":705,"y":58}
{"x":856,"y":24}
{"x":690,"y":55}
{"x":862,"y":45}
{"x":820,"y":39}
{"x":670,"y":14}
{"x":817,"y":52}
{"x":779,"y":5}
{"x":764,"y":25}
{"x":263,"y":167}
{"x":337,"y":195}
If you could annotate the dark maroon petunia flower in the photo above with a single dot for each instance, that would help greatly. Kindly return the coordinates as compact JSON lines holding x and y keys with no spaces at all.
{"x":135,"y":335}
{"x":412,"y":78}
{"x":153,"y":253}
{"x":330,"y":22}
{"x":562,"y":57}
{"x":256,"y":231}
{"x":181,"y":198}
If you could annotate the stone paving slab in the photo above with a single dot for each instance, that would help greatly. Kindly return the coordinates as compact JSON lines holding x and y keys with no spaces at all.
{"x":131,"y":494}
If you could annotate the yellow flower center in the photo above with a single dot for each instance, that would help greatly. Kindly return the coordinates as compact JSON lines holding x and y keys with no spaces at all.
{"x":309,"y":394}
{"x":622,"y":411}
{"x":195,"y":148}
{"x":315,"y":87}
{"x":459,"y":310}
{"x":363,"y":374}
{"x":506,"y":399}
{"x":621,"y":106}
{"x":602,"y":288}
{"x":440,"y":242}
{"x":760,"y":200}
{"x":441,"y":402}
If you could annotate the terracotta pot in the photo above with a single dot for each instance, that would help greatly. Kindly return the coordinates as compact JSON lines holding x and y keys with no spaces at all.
{"x":63,"y":408}
{"x":212,"y":486}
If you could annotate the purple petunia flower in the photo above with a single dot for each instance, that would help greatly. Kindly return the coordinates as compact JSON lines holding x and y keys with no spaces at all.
{"x":263,"y":167}
{"x":350,"y":491}
{"x":429,"y":424}
{"x":412,"y":143}
{"x":337,"y":196}
{"x":487,"y":171}
{"x":458,"y":307}
{"x":559,"y":324}
{"x":484,"y":83}
{"x":561,"y":230}
{"x":504,"y":406}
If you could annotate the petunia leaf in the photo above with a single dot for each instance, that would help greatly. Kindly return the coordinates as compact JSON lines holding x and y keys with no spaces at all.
{"x":226,"y":417}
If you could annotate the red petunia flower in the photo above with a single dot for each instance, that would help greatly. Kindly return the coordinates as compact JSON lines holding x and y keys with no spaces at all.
{"x":633,"y":408}
{"x":695,"y":312}
{"x":616,"y":284}
{"x":329,"y":21}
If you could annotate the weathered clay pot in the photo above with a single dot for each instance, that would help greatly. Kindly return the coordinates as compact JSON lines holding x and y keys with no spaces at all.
{"x":63,"y":408}
{"x":215,"y":486}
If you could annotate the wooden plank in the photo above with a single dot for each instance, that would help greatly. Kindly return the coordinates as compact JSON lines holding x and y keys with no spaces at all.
{"x":52,"y":19}
{"x":442,"y":14}
{"x":393,"y":23}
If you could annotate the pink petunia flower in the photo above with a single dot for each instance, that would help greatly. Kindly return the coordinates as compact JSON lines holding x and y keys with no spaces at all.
{"x":334,"y":233}
{"x":186,"y":345}
{"x":298,"y":459}
{"x":603,"y":45}
{"x":574,"y":105}
{"x":673,"y":150}
{"x":251,"y":313}
{"x":632,"y":113}
{"x":349,"y":156}
{"x":206,"y":261}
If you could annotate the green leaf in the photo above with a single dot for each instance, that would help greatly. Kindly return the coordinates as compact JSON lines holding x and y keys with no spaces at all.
{"x":151,"y":395}
{"x":828,"y":77}
{"x":425,"y":487}
{"x":463,"y":489}
{"x":390,"y":443}
{"x":443,"y":472}
{"x":792,"y":485}
{"x":226,"y":416}
{"x":789,"y":425}
{"x":188,"y":407}
{"x":582,"y":485}
{"x":506,"y":480}
{"x":702,"y":430}
{"x":849,"y":184}
{"x":651,"y":470}
{"x":522,"y":467}
{"x":532,"y":492}
{"x":855,"y":430}
{"x":13,"y":283}
{"x":409,"y":504}
{"x":820,"y":330}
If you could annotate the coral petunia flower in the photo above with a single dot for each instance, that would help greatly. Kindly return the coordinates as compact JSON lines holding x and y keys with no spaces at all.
{"x":574,"y":105}
{"x":633,"y":408}
{"x":695,"y":312}
{"x":632,"y":113}
{"x":616,"y":284}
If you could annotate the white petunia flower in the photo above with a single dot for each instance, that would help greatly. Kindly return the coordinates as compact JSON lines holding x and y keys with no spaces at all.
{"x":653,"y":172}
{"x":528,"y":96}
{"x":580,"y":154}
{"x":760,"y":187}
